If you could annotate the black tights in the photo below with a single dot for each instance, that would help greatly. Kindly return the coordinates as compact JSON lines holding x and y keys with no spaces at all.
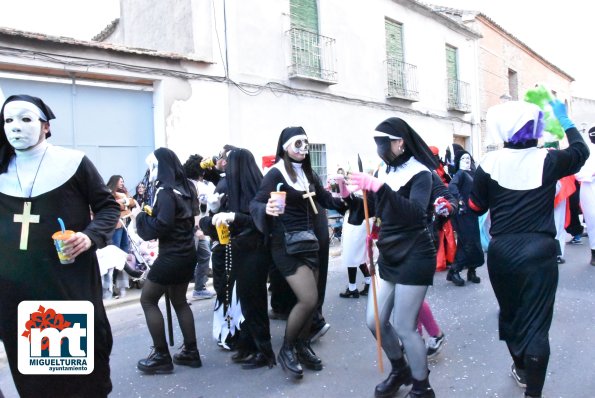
{"x":352,"y":272}
{"x":149,"y":300}
{"x":304,"y":286}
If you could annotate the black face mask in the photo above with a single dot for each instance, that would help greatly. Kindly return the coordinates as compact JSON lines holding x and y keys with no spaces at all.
{"x":383,"y":149}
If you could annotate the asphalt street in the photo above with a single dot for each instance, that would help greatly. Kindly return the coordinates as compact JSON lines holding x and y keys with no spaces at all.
{"x":473,"y":363}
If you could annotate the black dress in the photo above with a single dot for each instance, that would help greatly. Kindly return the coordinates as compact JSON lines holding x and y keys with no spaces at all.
{"x":522,"y":253}
{"x":406,"y":252}
{"x":37,"y":274}
{"x":469,"y":252}
{"x":298,"y":216}
{"x":172,"y":223}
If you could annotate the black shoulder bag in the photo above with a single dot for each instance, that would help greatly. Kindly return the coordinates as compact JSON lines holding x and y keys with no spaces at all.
{"x":299,"y":242}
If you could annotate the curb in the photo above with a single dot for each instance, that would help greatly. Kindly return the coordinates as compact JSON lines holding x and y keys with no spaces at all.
{"x":133,"y":295}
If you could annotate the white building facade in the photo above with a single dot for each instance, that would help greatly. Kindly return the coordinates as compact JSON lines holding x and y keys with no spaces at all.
{"x":239,"y":71}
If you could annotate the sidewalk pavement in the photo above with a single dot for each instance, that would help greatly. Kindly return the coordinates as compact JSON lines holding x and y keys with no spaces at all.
{"x":132,"y":296}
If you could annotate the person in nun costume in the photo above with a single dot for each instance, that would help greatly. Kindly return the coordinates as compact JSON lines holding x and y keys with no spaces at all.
{"x":247,"y":253}
{"x":171,"y":220}
{"x":517,"y":184}
{"x":401,"y":196}
{"x":469,"y":253}
{"x":51,"y":182}
{"x":293,"y":174}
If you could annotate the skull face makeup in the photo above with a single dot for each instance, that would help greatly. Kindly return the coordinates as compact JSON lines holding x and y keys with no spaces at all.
{"x":465,"y":162}
{"x":24,"y":125}
{"x":153,"y":164}
{"x":298,"y":144}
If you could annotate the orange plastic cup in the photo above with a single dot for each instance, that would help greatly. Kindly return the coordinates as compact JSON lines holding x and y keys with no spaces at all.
{"x":279,"y":197}
{"x":59,"y":239}
{"x":223,"y":234}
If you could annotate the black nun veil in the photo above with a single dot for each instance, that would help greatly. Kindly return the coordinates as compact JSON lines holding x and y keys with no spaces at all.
{"x":170,"y":173}
{"x":414,"y":145}
{"x":243,"y":180}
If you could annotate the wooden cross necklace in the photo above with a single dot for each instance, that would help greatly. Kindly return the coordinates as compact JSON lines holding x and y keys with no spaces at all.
{"x":27,"y":218}
{"x":308,"y":195}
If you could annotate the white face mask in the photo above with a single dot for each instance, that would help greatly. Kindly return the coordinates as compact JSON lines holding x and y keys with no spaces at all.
{"x":298,"y":145}
{"x":465,"y":162}
{"x":153,"y":164}
{"x":22,"y":126}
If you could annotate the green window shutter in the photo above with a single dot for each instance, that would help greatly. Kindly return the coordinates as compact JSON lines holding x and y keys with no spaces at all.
{"x":452,"y":71}
{"x":305,"y":41}
{"x":452,"y":76}
{"x":396,"y":78}
{"x":394,"y":40}
{"x":304,"y":15}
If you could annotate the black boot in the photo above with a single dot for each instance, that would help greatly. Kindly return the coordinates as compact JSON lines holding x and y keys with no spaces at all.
{"x":398,"y":376}
{"x":158,"y":361}
{"x":421,"y":389}
{"x":455,"y":277}
{"x":242,"y":356}
{"x":365,"y":290}
{"x":288,"y":360}
{"x":350,"y":293}
{"x":307,"y":356}
{"x":472,"y":276}
{"x":263,"y":357}
{"x":592,"y":257}
{"x":188,"y":356}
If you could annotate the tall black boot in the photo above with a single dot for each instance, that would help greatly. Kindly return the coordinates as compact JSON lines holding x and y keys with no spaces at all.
{"x":307,"y":356}
{"x":399,"y":375}
{"x":288,"y":360}
{"x":592,"y":257}
{"x":158,"y":361}
{"x":421,"y":389}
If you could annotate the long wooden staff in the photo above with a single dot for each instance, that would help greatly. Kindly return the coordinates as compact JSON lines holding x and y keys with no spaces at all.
{"x":372,"y":270}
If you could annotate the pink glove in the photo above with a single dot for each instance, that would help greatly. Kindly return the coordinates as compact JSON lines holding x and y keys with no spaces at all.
{"x":340,"y":180}
{"x":365,"y":181}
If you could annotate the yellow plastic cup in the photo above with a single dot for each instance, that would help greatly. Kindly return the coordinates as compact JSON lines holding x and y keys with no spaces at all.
{"x":223,"y":234}
{"x":59,"y":239}
{"x":279,"y":197}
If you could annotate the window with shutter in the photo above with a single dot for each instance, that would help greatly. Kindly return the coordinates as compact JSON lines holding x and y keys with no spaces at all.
{"x":452,"y":76}
{"x":305,"y":43}
{"x":394,"y":58}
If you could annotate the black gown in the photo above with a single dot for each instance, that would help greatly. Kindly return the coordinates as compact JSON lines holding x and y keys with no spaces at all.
{"x":37,"y":274}
{"x":522,"y":253}
{"x":469,"y":252}
{"x":298,"y":216}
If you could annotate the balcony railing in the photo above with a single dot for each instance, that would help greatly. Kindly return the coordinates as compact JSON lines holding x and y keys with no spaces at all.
{"x":312,"y":56}
{"x":401,"y":80}
{"x":458,"y":95}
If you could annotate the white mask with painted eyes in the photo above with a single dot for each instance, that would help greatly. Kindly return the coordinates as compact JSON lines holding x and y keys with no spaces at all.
{"x":300,"y":145}
{"x":153,"y":164}
{"x":22,"y":126}
{"x":465,"y":162}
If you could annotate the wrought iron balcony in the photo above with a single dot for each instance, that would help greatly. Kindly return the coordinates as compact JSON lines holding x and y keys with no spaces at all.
{"x":401,"y":80}
{"x":458,"y":95}
{"x":312,"y":56}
